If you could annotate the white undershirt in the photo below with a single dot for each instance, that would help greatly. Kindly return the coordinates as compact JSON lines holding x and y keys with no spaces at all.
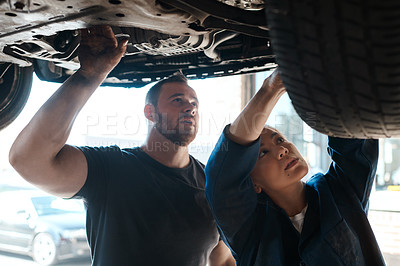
{"x":298,"y":219}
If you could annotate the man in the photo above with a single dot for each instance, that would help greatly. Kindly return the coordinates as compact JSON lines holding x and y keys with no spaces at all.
{"x":145,"y":206}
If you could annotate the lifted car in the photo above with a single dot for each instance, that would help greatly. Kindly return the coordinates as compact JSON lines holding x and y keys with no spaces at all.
{"x":339,"y":59}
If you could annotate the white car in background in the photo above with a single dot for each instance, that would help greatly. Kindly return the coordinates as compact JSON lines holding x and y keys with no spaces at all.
{"x":43,"y":226}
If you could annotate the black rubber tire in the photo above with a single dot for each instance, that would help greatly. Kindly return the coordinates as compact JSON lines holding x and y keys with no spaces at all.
{"x":340,"y":63}
{"x":43,"y":72}
{"x":15,"y":88}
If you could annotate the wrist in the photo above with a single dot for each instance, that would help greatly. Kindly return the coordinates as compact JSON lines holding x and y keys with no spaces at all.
{"x":90,"y":77}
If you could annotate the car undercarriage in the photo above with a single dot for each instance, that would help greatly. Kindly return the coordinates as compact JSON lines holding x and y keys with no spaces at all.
{"x":338,"y":59}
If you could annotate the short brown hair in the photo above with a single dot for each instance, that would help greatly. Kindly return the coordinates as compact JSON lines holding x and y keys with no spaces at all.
{"x":154,"y":92}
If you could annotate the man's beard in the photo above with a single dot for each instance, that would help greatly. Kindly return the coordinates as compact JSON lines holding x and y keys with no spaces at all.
{"x":177,"y":135}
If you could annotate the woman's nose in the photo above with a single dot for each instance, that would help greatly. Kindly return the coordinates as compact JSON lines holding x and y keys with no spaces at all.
{"x":282,"y":152}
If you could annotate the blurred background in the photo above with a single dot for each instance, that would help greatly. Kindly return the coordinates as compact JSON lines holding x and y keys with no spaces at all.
{"x":114,"y":116}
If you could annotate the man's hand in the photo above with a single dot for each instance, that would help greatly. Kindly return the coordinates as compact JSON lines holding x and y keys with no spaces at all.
{"x":99,"y":51}
{"x":39,"y":153}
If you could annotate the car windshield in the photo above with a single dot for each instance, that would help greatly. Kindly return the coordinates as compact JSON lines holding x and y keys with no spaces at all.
{"x":48,"y":205}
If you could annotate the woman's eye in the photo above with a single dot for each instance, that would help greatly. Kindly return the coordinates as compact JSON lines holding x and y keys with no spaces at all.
{"x":280,"y":140}
{"x":262,"y":153}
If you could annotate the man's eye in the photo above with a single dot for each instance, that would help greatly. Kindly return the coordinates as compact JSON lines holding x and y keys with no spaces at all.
{"x":177,"y":100}
{"x":262,"y":153}
{"x":280,"y":140}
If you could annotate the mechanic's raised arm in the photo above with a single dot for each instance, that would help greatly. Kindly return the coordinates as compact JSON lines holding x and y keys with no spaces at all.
{"x":248,"y":125}
{"x":39,"y":153}
{"x":229,"y":188}
{"x":354,"y":164}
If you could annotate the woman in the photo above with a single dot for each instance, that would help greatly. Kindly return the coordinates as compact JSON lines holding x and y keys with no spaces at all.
{"x":268,"y":216}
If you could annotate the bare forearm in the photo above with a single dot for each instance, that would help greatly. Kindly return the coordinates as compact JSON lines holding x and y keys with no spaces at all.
{"x":54,"y":120}
{"x":39,"y":153}
{"x":248,"y":125}
{"x":47,"y":132}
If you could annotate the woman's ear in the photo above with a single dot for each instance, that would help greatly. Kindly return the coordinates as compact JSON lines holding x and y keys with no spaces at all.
{"x":149,"y":112}
{"x":257,"y":189}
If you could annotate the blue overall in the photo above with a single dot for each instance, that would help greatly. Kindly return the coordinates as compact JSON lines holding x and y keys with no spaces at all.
{"x":336,"y":230}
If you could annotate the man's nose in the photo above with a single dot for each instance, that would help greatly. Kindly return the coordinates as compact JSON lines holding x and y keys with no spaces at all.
{"x":282,"y":152}
{"x":190,"y":109}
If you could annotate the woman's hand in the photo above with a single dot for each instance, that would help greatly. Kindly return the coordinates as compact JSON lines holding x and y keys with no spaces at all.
{"x":248,"y":126}
{"x":273,"y":85}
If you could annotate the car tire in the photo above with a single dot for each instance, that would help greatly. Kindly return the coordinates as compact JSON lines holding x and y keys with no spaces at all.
{"x":340,"y":63}
{"x":15,"y":88}
{"x":48,"y":71}
{"x":44,"y":249}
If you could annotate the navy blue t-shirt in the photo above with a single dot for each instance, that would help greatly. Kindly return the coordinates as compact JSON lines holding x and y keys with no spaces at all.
{"x":140,"y":212}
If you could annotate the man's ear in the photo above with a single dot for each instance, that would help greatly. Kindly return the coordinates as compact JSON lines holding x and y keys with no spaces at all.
{"x":257,"y":189}
{"x":150,"y":112}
